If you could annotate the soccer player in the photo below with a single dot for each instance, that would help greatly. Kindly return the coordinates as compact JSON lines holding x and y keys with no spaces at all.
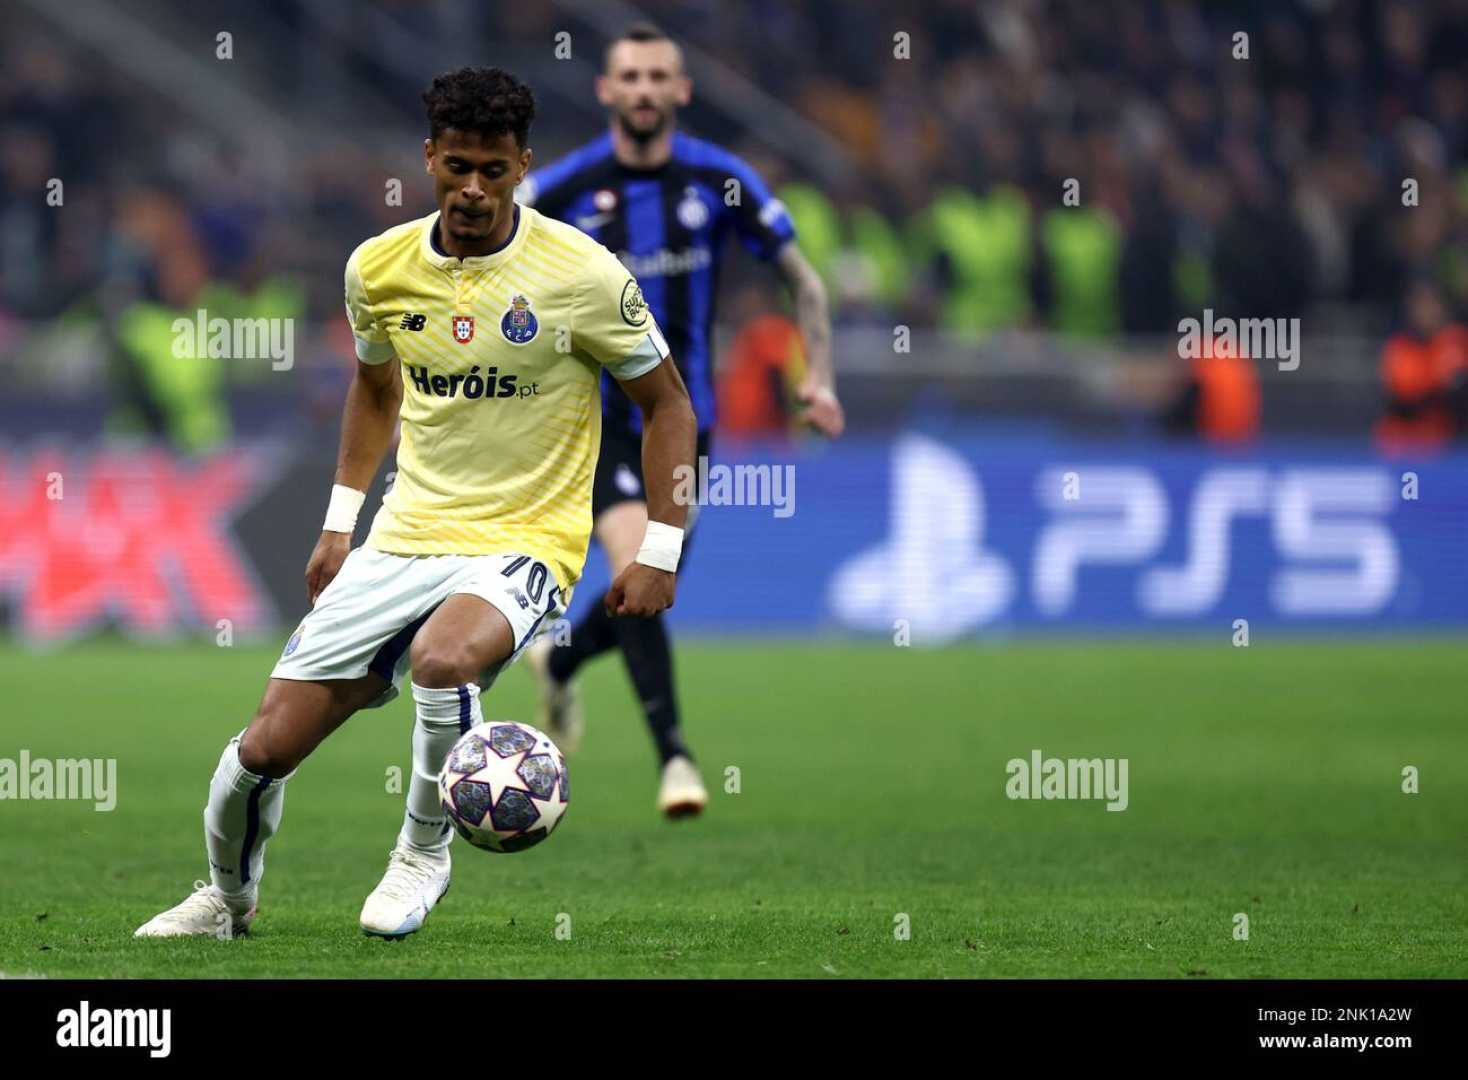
{"x":485,"y":326}
{"x":665,"y":203}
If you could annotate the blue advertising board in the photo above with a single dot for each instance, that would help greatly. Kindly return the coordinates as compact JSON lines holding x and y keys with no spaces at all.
{"x":954,"y":534}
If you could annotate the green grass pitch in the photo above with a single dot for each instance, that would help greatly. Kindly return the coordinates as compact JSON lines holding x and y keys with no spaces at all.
{"x":1265,"y":781}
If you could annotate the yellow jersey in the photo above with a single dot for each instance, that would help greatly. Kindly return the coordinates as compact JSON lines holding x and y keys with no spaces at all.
{"x":501,"y":357}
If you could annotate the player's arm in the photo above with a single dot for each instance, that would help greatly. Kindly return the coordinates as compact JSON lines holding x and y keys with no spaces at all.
{"x":368,"y":420}
{"x":669,"y":434}
{"x":817,"y":391}
{"x":764,"y":226}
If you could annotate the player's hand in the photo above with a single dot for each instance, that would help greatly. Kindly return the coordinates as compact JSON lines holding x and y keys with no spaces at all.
{"x":822,"y":409}
{"x":641,"y":590}
{"x":331,"y":551}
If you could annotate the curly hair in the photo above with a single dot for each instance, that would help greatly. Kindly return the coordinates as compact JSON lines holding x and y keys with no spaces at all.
{"x":486,"y":100}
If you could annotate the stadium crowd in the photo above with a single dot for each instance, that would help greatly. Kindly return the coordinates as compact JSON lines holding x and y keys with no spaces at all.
{"x":1089,"y":168}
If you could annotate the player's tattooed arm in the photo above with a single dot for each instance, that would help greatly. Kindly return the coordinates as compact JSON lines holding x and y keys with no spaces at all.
{"x":669,"y":433}
{"x":369,"y":419}
{"x":817,"y":391}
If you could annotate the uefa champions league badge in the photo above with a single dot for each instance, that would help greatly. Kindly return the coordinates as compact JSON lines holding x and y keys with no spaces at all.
{"x":518,"y":323}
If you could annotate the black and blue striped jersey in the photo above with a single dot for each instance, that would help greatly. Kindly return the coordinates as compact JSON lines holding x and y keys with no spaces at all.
{"x":668,"y":225}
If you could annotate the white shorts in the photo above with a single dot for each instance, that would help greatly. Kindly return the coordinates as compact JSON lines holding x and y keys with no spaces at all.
{"x":364,"y":621}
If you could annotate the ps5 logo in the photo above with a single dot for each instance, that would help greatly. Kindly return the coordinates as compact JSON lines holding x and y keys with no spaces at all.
{"x":1333,"y":553}
{"x":933,"y":570}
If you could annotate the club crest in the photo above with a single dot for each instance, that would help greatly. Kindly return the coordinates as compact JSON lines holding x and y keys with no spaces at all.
{"x":518,"y":323}
{"x":692,"y":213}
{"x":463,"y":329}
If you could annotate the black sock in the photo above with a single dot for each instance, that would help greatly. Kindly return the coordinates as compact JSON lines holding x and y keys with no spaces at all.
{"x":649,"y":660}
{"x":592,"y":636}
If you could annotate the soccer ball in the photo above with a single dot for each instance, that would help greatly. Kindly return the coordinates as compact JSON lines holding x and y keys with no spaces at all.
{"x":504,"y":786}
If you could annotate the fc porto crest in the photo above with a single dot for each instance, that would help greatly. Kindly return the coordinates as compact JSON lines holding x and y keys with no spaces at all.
{"x":463,"y":329}
{"x":518,"y":323}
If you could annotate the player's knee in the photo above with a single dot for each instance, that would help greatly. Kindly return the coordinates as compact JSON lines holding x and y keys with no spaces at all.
{"x":442,"y":664}
{"x":262,"y":751}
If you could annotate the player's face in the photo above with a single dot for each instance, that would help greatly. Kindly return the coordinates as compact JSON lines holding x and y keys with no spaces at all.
{"x":474,"y":180}
{"x":644,"y":86}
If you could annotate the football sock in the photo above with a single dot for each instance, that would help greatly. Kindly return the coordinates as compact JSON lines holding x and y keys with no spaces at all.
{"x":592,"y":636}
{"x":241,"y":816}
{"x":442,"y":716}
{"x":649,"y":659}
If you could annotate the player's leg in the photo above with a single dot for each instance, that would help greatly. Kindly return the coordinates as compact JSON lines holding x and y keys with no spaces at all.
{"x":555,"y":665}
{"x":462,"y":638}
{"x":619,"y":512}
{"x":348,"y":653}
{"x":247,"y":799}
{"x":617,"y":484}
{"x":617,"y":509}
{"x":465,"y":635}
{"x":648,"y":654}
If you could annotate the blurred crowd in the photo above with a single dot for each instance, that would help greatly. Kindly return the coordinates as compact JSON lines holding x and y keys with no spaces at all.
{"x":1260,"y":174}
{"x":1092,"y":168}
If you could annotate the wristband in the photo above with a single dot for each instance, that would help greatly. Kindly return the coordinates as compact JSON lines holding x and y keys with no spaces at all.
{"x":341,"y":513}
{"x":661,"y":546}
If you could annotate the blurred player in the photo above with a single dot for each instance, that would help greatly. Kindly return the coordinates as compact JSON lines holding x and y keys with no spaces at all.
{"x":662,"y":201}
{"x":484,"y":533}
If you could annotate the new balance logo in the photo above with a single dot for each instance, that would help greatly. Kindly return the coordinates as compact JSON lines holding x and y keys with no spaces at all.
{"x":413,"y":321}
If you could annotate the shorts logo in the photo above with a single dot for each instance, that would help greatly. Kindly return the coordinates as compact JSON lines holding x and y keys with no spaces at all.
{"x":519,"y":598}
{"x":519,"y":324}
{"x":463,"y":329}
{"x":293,"y":644}
{"x":634,"y":307}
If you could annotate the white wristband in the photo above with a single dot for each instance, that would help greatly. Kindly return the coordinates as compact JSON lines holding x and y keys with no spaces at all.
{"x":341,"y":513}
{"x":661,"y":546}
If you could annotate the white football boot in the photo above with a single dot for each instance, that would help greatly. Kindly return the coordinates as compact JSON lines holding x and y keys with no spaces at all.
{"x":400,"y":904}
{"x":682,"y":792}
{"x":560,"y":703}
{"x":206,"y":912}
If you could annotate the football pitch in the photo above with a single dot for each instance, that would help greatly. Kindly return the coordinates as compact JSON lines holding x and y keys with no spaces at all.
{"x":859,"y":825}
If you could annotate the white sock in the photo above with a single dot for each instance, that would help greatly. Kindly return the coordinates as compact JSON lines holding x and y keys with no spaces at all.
{"x":442,"y":716}
{"x":243,"y":813}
